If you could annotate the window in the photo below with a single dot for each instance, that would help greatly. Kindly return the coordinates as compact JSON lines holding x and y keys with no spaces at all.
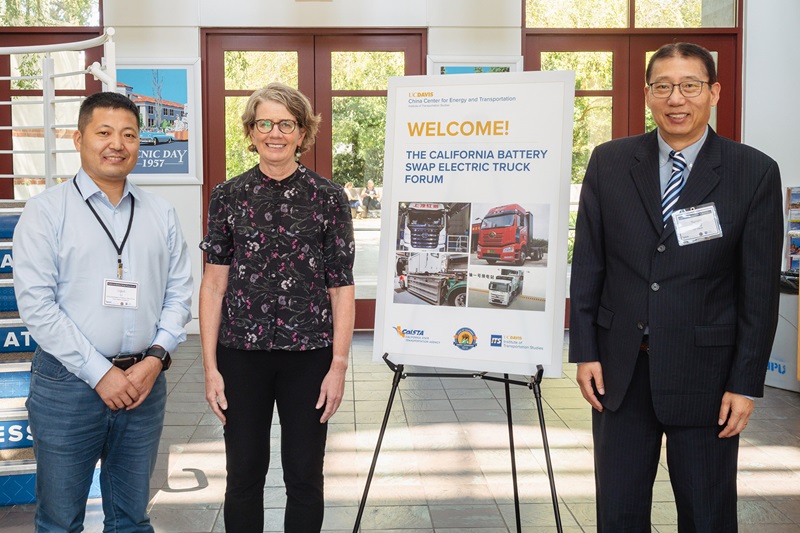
{"x":630,"y":14}
{"x":50,"y":13}
{"x":608,"y":42}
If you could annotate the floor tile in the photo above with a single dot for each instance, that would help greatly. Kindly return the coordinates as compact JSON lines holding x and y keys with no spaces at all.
{"x":444,"y":465}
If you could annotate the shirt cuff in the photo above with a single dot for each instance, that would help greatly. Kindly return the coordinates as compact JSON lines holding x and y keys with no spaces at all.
{"x":95,"y":369}
{"x":165,"y":340}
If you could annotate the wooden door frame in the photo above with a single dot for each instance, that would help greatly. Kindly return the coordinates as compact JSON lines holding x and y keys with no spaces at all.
{"x":628,"y":119}
{"x":310,"y":43}
{"x":617,"y":44}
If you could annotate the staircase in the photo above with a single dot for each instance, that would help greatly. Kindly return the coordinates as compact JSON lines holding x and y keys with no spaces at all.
{"x":17,"y":465}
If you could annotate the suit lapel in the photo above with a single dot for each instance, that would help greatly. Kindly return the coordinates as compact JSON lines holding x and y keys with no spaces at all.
{"x":645,"y":177}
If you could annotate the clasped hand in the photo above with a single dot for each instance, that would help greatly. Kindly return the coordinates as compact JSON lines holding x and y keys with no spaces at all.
{"x":129,"y":388}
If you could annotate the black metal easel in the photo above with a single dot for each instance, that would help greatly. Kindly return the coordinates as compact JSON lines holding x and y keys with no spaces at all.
{"x":534,"y":384}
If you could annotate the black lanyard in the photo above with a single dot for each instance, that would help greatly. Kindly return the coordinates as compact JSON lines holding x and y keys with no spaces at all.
{"x":100,"y":220}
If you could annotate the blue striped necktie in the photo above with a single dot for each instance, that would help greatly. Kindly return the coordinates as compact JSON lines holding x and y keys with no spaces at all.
{"x":674,"y":186}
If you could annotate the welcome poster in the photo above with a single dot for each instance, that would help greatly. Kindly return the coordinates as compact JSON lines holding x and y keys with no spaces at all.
{"x":472,"y":270}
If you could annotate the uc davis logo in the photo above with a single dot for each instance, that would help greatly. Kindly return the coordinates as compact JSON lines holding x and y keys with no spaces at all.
{"x":465,"y":339}
{"x":496,"y":341}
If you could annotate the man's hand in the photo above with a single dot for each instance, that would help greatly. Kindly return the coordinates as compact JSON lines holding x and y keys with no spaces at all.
{"x":215,"y":393}
{"x":331,"y":393}
{"x":143,"y":375}
{"x":736,"y":411}
{"x":116,"y":391}
{"x":588,"y":374}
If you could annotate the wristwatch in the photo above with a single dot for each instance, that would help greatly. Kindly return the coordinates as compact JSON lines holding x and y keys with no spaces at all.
{"x":161,"y":353}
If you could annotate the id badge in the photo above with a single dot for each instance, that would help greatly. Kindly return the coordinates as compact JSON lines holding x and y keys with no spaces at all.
{"x":120,"y":293}
{"x":697,"y":224}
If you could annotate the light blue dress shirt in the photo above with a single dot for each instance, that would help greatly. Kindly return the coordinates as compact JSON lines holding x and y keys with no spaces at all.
{"x":62,"y":255}
{"x":665,"y":163}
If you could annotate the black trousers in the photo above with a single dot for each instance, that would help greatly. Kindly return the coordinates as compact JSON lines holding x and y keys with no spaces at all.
{"x":627,"y":448}
{"x":255,"y":381}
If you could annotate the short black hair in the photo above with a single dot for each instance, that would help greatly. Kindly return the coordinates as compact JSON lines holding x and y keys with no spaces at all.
{"x":105,"y":100}
{"x":685,"y":50}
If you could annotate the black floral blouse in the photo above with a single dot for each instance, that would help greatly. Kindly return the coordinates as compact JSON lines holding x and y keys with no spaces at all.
{"x":286,"y":242}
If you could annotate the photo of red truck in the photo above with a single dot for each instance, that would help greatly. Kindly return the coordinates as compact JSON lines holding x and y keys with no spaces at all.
{"x":506,"y":234}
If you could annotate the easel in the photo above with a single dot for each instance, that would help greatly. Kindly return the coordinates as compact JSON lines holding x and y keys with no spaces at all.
{"x":534,"y":384}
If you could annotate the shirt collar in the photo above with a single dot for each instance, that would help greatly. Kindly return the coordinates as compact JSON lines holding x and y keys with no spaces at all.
{"x":288,"y":180}
{"x":689,"y":153}
{"x":89,"y":188}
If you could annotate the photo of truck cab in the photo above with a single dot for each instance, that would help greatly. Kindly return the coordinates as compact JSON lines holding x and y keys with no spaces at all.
{"x":425,"y":227}
{"x":505,"y":287}
{"x":506,"y":234}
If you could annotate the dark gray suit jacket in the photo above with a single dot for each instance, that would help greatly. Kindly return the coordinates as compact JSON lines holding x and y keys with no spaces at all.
{"x":711,"y":307}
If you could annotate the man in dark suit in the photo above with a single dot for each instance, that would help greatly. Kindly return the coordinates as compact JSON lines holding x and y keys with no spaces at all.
{"x":674,"y":300}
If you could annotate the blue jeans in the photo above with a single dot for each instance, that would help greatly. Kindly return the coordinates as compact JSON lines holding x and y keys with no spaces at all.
{"x":72,"y":429}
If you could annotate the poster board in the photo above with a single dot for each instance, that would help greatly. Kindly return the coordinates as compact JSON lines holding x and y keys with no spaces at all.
{"x":477,"y":172}
{"x":164,"y":90}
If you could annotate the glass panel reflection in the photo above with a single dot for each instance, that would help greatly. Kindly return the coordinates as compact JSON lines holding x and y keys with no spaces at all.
{"x":353,"y":71}
{"x":593,"y":70}
{"x":64,"y":62}
{"x":576,"y":14}
{"x":51,"y":13}
{"x":359,"y":126}
{"x":592,"y":127}
{"x":248,"y":71}
{"x":685,"y":14}
{"x":237,"y":157}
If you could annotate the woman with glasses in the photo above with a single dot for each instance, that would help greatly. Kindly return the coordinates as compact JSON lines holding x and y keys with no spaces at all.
{"x":276,"y":312}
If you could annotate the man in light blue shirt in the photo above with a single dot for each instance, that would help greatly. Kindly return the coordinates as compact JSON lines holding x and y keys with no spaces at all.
{"x":103,"y":283}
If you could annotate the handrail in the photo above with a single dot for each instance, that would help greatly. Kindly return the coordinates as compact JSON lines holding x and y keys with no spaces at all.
{"x":61,"y":47}
{"x":105,"y":73}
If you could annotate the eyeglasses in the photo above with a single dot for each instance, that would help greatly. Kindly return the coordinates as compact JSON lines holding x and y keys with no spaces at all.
{"x":689,"y":89}
{"x":284,"y":126}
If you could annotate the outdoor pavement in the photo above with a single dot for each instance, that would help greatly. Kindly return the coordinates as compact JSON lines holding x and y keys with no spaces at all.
{"x":444,"y":464}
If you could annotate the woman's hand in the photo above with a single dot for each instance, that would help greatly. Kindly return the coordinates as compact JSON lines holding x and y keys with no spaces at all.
{"x":215,"y":393}
{"x":331,"y":392}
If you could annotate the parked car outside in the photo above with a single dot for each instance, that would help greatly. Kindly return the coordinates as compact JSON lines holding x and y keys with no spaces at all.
{"x":155,"y":137}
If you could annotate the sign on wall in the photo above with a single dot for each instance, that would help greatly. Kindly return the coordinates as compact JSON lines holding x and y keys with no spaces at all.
{"x":472,"y":270}
{"x":164,"y":94}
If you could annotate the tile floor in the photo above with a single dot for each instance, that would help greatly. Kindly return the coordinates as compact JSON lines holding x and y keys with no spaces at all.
{"x":444,"y":464}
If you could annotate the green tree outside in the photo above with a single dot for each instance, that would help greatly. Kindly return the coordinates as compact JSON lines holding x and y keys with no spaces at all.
{"x":49,"y":13}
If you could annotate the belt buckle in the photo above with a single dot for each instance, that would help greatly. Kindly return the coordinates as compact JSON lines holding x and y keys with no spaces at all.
{"x":124,"y":362}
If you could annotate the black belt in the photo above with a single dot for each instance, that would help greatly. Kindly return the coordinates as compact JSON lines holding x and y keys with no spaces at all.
{"x":126,"y":360}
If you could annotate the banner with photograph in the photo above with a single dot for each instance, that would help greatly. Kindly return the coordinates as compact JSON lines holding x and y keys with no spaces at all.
{"x":472,"y":271}
{"x":164,"y":91}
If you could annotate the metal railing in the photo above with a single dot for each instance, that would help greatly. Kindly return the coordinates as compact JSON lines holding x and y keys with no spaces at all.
{"x":106,"y":73}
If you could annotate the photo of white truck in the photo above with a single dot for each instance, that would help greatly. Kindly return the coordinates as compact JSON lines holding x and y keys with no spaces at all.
{"x":436,"y":279}
{"x":433,"y":227}
{"x":505,"y":287}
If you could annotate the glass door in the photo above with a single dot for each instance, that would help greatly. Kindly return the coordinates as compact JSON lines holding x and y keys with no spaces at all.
{"x":345,"y":75}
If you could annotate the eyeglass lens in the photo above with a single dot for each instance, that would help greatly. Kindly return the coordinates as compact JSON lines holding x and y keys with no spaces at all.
{"x":284,"y":126}
{"x":687,"y":88}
